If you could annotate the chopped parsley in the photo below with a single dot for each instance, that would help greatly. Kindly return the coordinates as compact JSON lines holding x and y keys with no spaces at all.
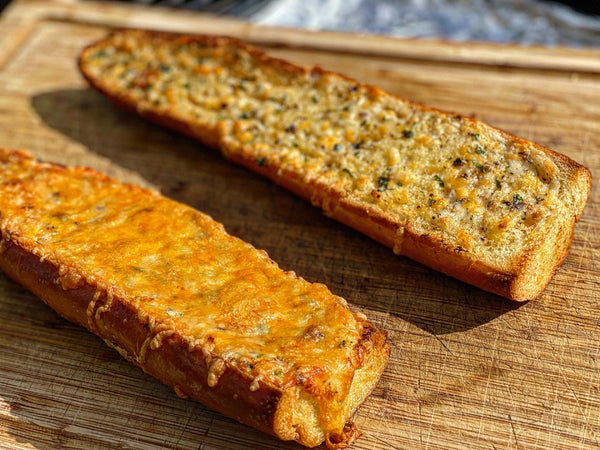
{"x":164,"y":68}
{"x":439,"y":180}
{"x":516,"y":204}
{"x":261,"y":161}
{"x":480,"y":150}
{"x":348,"y":172}
{"x":383,"y":182}
{"x":100,"y":54}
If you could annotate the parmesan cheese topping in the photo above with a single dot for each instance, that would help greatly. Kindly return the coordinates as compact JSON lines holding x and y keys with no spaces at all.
{"x":182,"y":271}
{"x":440,"y":174}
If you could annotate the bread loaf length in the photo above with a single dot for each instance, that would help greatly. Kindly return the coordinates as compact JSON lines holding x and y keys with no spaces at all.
{"x":201,"y":310}
{"x":451,"y":192}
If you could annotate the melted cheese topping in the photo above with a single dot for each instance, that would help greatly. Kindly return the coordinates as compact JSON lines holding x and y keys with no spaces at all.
{"x":458,"y":180}
{"x":182,"y":271}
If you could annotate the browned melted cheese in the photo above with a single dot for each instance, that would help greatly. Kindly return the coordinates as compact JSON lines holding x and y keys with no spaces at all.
{"x":183,"y":272}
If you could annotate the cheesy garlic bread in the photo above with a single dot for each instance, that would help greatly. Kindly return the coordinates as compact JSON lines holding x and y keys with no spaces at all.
{"x":460,"y":196}
{"x":202,"y":311}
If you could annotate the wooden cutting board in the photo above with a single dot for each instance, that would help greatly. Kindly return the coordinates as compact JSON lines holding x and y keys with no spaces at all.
{"x":468,"y":369}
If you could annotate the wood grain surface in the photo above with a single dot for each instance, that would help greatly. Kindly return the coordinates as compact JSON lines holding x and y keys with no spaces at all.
{"x":468,"y":369}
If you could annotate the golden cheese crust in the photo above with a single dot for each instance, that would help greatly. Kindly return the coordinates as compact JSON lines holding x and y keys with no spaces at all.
{"x":456,"y":194}
{"x":203,"y":311}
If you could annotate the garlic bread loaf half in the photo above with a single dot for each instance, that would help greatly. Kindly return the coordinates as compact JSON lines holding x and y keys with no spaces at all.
{"x":199,"y":309}
{"x":451,"y":192}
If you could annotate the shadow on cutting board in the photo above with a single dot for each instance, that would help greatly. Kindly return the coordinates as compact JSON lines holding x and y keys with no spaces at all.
{"x":295,"y":234}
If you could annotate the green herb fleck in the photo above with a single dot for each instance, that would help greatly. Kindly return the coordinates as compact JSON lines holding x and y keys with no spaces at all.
{"x":347,"y":106}
{"x":383,"y":182}
{"x":479,"y":166}
{"x":348,"y":172}
{"x":498,"y":184}
{"x":439,"y":180}
{"x":278,"y":373}
{"x":100,"y":54}
{"x":315,"y":99}
{"x":431,"y":201}
{"x":261,"y":161}
{"x":337,"y":147}
{"x":407,"y":134}
{"x":245,"y":115}
{"x":479,"y":150}
{"x":474,"y":136}
{"x":363,"y":123}
{"x":517,"y":198}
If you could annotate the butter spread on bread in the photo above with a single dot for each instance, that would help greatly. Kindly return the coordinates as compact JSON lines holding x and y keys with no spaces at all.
{"x":203,"y":311}
{"x":458,"y":195}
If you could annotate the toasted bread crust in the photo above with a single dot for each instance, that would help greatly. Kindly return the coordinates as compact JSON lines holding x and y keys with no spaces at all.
{"x":162,"y":348}
{"x":508,"y":275}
